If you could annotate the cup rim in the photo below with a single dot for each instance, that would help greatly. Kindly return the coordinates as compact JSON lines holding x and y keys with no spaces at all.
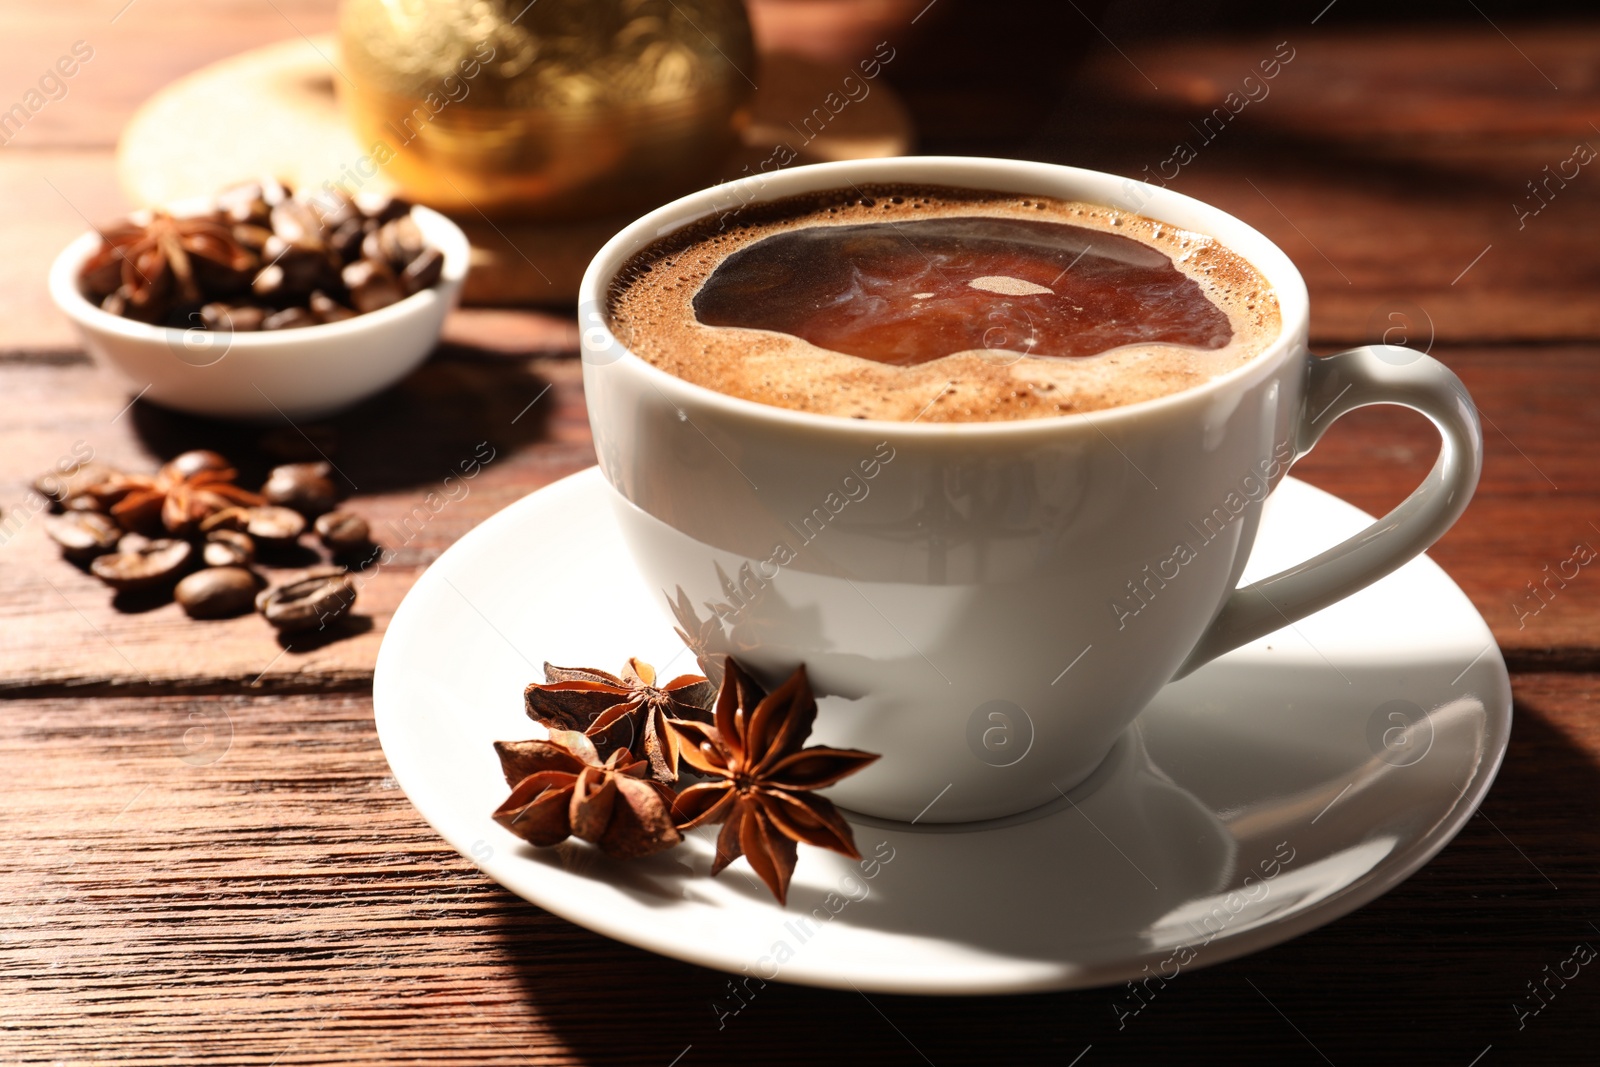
{"x":999,"y":175}
{"x":441,"y":232}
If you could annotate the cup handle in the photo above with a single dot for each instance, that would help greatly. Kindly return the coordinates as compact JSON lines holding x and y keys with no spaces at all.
{"x":1373,"y":374}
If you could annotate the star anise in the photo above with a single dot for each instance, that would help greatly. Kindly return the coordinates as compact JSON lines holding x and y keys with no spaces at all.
{"x":762,"y":778}
{"x":704,"y":637}
{"x":186,"y":490}
{"x":628,"y":712}
{"x":560,"y":788}
{"x":145,"y":267}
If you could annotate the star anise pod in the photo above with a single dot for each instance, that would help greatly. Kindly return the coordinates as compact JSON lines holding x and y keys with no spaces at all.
{"x":705,"y":638}
{"x":607,"y":708}
{"x":560,"y":788}
{"x":149,"y":265}
{"x":762,"y":780}
{"x":186,"y":490}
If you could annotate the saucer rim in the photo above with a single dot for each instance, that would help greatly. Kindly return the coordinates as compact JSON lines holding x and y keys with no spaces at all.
{"x":507,"y":868}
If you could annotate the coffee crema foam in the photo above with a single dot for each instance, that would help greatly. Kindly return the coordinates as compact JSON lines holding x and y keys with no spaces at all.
{"x":652,"y":312}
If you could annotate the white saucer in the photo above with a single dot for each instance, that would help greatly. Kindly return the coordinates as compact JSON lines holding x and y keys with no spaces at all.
{"x":1272,"y":791}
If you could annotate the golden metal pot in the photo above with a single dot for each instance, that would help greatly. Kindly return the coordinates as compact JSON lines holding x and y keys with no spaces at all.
{"x":549,"y":109}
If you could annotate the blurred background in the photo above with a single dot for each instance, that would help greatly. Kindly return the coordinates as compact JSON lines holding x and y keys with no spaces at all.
{"x":1423,"y":129}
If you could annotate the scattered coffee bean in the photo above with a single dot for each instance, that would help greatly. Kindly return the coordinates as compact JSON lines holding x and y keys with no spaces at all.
{"x":273,"y":526}
{"x":305,"y":487}
{"x":148,"y":566}
{"x":226,"y":519}
{"x":133,"y":542}
{"x":217,"y":592}
{"x":83,"y":535}
{"x":188,"y":464}
{"x":228,"y":548}
{"x":343,"y":532}
{"x":312,"y":601}
{"x":58,"y":487}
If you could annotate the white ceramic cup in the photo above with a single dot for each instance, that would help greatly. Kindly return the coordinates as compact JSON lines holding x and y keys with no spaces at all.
{"x":989,"y":605}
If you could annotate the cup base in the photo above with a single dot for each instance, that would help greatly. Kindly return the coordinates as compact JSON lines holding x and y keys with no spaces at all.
{"x":1118,"y":754}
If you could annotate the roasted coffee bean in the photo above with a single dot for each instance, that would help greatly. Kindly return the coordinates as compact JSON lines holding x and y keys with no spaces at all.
{"x":314,"y":600}
{"x":101,"y":277}
{"x":302,"y":267}
{"x":381,"y":207}
{"x":148,"y":566}
{"x":252,"y":202}
{"x":396,"y":243}
{"x":421,"y":273}
{"x":327,"y":309}
{"x":343,"y":532}
{"x":217,"y":592}
{"x":236,"y":518}
{"x":244,"y":204}
{"x":237,"y":318}
{"x":305,"y":487}
{"x":288,"y":319}
{"x":333,"y":208}
{"x":253,"y":237}
{"x":228,"y":548}
{"x":188,"y":464}
{"x":83,"y":535}
{"x":285,"y":261}
{"x":346,"y":240}
{"x":372,"y":285}
{"x":133,"y":542}
{"x":297,"y":223}
{"x":87,"y":478}
{"x":217,"y":280}
{"x":273,"y":526}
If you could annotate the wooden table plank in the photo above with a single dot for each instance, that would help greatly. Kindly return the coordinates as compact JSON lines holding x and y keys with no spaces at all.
{"x":1539,"y":494}
{"x":1383,"y":170}
{"x":283,"y":903}
{"x":1383,"y":163}
{"x":238,"y":879}
{"x":395,"y":455}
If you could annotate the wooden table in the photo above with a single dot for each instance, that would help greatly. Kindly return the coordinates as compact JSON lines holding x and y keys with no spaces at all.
{"x":207,"y":857}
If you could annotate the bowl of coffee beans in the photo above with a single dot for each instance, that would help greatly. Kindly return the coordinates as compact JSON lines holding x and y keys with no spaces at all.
{"x":261,"y":303}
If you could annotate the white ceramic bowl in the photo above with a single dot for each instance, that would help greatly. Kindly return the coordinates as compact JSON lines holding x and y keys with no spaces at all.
{"x":297,"y":373}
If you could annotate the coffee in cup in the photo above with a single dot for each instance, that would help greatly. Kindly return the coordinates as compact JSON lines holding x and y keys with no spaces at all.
{"x":941,"y":304}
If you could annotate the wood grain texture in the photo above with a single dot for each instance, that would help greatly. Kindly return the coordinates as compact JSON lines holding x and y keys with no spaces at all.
{"x":400,"y":457}
{"x":274,"y":899}
{"x":1537,"y":501}
{"x":1384,"y":163}
{"x":237,"y":879}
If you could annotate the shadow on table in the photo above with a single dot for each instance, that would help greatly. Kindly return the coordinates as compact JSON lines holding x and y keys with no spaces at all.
{"x":412,"y":434}
{"x":1431,"y":971}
